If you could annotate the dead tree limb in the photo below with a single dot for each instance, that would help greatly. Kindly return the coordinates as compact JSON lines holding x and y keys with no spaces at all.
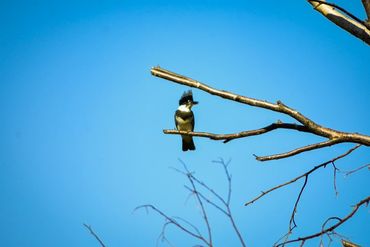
{"x":332,"y":136}
{"x":347,"y":243}
{"x":366,"y":4}
{"x":347,"y":173}
{"x":305,"y":176}
{"x":172,"y":220}
{"x":365,"y":202}
{"x":198,"y":189}
{"x":94,"y":234}
{"x":196,"y":193}
{"x":343,"y":19}
{"x":229,"y":137}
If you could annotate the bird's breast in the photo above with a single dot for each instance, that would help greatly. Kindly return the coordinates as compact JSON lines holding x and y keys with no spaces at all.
{"x":184,"y":124}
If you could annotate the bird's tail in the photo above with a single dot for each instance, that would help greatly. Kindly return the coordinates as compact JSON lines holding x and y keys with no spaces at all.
{"x":187,"y":143}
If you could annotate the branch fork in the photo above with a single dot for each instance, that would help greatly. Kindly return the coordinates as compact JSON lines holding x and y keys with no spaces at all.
{"x":304,"y":124}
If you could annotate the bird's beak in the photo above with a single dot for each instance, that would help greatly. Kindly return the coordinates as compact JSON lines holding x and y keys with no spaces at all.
{"x":195,"y":102}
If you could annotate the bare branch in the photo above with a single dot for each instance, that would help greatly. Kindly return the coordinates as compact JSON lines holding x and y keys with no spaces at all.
{"x":303,"y":175}
{"x":208,"y":200}
{"x":333,"y":227}
{"x":309,"y":125}
{"x":298,"y":150}
{"x":204,"y":185}
{"x":335,"y":170}
{"x":174,"y":222}
{"x":357,"y":169}
{"x":228,"y":176}
{"x":350,"y":24}
{"x":366,"y":4}
{"x":189,"y":223}
{"x":230,"y":137}
{"x":292,"y":223}
{"x":94,"y":234}
{"x":225,"y":202}
{"x":205,"y":217}
{"x":347,"y":243}
{"x":340,"y":8}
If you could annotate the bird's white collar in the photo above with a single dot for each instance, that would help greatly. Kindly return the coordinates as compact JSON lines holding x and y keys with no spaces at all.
{"x":184,"y":108}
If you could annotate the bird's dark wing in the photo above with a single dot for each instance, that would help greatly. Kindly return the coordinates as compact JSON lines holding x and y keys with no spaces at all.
{"x":174,"y":116}
{"x":192,"y":121}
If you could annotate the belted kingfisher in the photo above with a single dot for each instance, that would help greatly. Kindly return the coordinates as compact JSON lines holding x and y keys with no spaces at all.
{"x":184,"y":119}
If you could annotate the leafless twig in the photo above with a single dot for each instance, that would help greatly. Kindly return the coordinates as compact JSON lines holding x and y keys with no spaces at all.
{"x":94,"y":234}
{"x":347,"y":173}
{"x":292,"y":222}
{"x":172,"y":220}
{"x":365,"y":201}
{"x":195,"y":185}
{"x":227,"y":203}
{"x":263,"y":193}
{"x":204,"y":212}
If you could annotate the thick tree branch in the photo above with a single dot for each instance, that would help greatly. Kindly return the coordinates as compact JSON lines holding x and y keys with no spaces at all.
{"x":307,"y":125}
{"x":339,"y":8}
{"x":347,"y":243}
{"x":350,"y":24}
{"x":333,"y":227}
{"x":366,"y":4}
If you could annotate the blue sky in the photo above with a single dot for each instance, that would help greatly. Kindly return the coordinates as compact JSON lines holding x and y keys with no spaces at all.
{"x":82,"y":117}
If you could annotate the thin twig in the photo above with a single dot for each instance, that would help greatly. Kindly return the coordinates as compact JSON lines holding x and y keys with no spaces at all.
{"x":227,"y":204}
{"x":94,"y":234}
{"x":335,"y":169}
{"x":204,"y":213}
{"x":263,"y":193}
{"x":208,"y":200}
{"x":189,"y":223}
{"x":357,"y":169}
{"x":327,"y":143}
{"x":333,"y":227}
{"x":292,"y":223}
{"x":174,"y":222}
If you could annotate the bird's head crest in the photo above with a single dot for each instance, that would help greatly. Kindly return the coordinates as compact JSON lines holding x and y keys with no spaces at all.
{"x":186,"y":97}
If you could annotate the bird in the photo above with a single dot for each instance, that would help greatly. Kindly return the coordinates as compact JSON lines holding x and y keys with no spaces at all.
{"x":184,"y":119}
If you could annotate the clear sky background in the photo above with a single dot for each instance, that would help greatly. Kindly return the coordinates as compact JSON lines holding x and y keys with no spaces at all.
{"x":82,"y":118}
